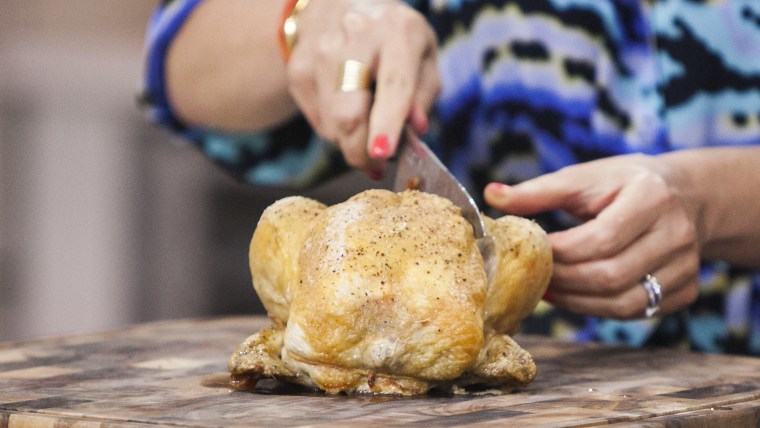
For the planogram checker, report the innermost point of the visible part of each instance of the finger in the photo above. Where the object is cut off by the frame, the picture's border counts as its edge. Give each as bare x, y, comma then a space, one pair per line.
313, 71
341, 113
676, 298
619, 211
352, 107
628, 304
353, 104
349, 115
632, 302
663, 248
679, 288
418, 120
634, 210
544, 193
398, 74
429, 84
302, 88
575, 189
428, 88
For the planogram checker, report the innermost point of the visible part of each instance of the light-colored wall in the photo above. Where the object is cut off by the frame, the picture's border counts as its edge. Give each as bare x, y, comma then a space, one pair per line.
68, 129
99, 212
104, 221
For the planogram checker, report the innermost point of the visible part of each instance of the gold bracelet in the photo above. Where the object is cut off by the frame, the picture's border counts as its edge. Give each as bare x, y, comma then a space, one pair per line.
288, 31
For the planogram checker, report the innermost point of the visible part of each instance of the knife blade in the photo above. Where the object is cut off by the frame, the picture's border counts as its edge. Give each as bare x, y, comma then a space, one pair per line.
417, 167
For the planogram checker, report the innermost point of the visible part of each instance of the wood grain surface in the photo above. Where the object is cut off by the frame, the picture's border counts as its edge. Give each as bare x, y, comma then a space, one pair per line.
174, 373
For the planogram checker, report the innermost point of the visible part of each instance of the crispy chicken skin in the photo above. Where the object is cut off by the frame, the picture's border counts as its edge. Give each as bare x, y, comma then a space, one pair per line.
387, 293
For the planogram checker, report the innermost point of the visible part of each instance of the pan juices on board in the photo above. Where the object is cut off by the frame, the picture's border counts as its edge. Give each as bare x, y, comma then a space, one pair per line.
386, 293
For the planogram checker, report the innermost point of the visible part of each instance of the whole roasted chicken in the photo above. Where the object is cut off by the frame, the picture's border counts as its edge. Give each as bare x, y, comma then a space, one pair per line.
387, 293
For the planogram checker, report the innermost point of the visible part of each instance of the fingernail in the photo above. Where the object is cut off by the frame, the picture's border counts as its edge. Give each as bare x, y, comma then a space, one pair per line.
376, 174
421, 124
379, 148
548, 296
497, 187
498, 192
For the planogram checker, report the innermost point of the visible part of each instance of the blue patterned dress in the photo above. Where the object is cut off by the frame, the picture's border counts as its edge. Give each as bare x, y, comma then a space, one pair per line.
530, 86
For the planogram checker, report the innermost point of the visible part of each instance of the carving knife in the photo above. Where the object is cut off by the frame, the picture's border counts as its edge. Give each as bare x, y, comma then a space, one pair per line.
419, 168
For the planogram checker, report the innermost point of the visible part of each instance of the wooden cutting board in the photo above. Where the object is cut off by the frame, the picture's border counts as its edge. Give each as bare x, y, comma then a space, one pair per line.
174, 373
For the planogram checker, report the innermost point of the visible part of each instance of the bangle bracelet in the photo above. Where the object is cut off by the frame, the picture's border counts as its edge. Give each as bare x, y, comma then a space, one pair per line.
288, 29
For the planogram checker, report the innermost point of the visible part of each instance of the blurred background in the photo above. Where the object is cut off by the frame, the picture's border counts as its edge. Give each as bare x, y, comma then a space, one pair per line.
105, 220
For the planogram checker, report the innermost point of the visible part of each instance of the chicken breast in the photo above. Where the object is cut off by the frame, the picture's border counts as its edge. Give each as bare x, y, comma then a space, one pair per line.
387, 293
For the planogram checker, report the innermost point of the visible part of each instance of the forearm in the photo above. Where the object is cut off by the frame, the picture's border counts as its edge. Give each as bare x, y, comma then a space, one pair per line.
723, 184
224, 70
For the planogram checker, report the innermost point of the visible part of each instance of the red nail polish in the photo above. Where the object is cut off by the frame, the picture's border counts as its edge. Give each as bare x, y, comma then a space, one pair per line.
421, 124
424, 125
548, 296
379, 148
498, 186
376, 174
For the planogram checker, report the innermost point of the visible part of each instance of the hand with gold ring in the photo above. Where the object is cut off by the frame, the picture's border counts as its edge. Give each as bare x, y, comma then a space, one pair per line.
636, 250
361, 69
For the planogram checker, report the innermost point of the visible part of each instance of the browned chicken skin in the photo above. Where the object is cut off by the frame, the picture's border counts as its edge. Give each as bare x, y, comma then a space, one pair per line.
386, 293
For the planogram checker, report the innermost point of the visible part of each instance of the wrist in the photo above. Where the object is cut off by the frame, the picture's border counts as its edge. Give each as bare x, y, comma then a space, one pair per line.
287, 30
679, 171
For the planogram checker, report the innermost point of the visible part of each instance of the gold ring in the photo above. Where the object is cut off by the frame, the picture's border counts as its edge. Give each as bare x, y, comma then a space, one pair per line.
354, 76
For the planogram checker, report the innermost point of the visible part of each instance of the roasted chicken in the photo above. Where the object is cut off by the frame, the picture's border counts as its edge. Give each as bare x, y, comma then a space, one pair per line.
387, 293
